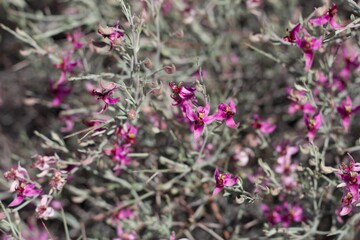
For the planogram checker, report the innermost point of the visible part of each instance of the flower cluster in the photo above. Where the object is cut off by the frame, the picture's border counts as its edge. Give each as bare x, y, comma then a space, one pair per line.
349, 174
284, 214
119, 153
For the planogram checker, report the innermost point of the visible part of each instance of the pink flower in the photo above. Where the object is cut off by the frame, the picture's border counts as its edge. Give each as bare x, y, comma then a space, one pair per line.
308, 44
182, 92
75, 39
43, 210
24, 190
284, 213
346, 110
16, 176
60, 91
263, 126
313, 124
291, 37
226, 112
58, 180
328, 17
349, 174
66, 65
128, 132
199, 118
284, 160
105, 97
119, 155
43, 163
352, 62
114, 34
123, 235
223, 181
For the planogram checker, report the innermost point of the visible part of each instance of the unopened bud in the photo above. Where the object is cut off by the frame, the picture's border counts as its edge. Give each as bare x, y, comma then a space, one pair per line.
148, 63
170, 69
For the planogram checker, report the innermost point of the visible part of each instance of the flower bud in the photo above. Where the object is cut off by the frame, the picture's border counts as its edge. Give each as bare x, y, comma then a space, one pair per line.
170, 69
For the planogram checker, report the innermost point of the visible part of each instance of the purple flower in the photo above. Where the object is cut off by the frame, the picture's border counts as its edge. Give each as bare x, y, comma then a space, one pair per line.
119, 155
223, 180
351, 180
291, 37
75, 39
346, 110
198, 118
114, 34
284, 160
328, 17
60, 90
24, 190
352, 61
308, 44
263, 126
226, 112
313, 124
284, 213
128, 132
105, 97
181, 92
66, 65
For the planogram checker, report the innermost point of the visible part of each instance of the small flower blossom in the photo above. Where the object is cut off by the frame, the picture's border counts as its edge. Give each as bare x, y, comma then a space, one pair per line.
223, 180
58, 180
60, 91
105, 97
291, 37
66, 65
119, 155
75, 39
43, 210
24, 190
313, 124
351, 58
128, 133
182, 93
124, 235
114, 34
226, 112
349, 174
328, 17
43, 163
263, 126
199, 119
346, 110
16, 176
284, 213
308, 44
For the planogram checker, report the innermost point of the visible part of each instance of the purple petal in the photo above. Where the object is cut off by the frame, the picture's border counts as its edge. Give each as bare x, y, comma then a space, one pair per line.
309, 58
231, 123
19, 199
345, 210
216, 190
230, 181
267, 127
311, 135
197, 132
346, 123
319, 20
209, 119
111, 100
308, 108
334, 24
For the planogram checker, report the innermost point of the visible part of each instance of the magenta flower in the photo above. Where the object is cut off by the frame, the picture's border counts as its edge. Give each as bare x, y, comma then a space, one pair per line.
60, 90
75, 39
352, 62
105, 97
284, 213
114, 34
24, 190
199, 118
349, 174
313, 124
124, 235
58, 180
16, 176
182, 92
223, 180
43, 163
119, 155
66, 65
291, 37
128, 132
284, 160
263, 126
226, 112
328, 17
346, 110
308, 44
273, 216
